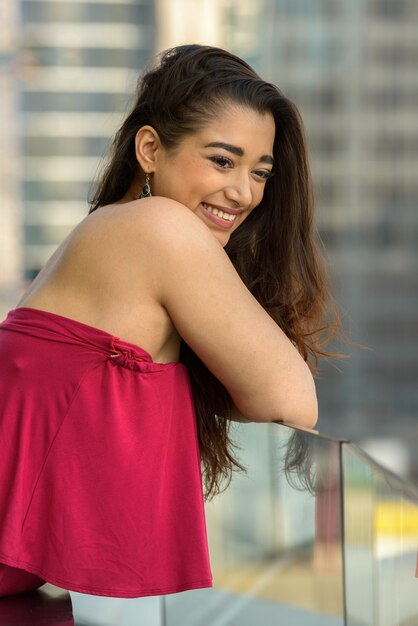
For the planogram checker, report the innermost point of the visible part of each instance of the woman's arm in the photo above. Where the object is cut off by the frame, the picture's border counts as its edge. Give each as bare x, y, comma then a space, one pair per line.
222, 322
236, 416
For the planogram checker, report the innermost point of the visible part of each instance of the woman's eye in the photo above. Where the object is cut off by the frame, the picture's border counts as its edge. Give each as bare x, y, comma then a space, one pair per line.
222, 161
264, 174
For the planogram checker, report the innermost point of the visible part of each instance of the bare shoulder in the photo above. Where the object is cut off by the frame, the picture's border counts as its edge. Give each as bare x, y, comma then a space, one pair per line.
144, 242
149, 230
151, 217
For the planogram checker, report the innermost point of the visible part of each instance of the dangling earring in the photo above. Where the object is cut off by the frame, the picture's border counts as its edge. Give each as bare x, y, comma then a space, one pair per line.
146, 189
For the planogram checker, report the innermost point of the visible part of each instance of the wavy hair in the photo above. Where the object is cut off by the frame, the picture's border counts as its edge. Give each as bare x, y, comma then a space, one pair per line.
275, 250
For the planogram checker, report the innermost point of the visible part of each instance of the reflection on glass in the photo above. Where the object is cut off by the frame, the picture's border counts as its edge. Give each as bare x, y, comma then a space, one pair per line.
381, 540
275, 537
359, 538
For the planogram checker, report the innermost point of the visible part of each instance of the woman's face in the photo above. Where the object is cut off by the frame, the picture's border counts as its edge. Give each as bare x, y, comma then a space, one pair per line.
220, 171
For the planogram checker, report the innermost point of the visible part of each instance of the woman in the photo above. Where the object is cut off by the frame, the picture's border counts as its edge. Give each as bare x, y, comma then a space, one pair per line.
198, 251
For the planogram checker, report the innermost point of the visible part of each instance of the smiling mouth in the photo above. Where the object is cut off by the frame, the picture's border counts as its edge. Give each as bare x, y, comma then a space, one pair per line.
228, 217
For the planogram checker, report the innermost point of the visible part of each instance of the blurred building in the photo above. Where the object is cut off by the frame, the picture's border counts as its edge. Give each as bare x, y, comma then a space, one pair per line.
81, 61
10, 163
189, 21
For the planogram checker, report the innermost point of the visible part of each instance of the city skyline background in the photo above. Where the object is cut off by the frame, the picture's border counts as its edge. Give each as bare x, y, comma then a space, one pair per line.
68, 69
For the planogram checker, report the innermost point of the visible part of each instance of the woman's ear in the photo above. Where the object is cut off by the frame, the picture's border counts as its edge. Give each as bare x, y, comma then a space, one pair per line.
147, 144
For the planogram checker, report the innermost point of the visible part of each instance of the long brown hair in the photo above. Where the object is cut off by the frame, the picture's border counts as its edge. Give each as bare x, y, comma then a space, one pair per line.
275, 251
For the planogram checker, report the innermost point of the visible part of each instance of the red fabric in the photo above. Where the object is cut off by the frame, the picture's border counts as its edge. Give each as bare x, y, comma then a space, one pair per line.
13, 580
100, 484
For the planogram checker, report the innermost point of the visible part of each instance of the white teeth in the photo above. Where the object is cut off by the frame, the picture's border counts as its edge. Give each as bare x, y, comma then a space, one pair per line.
225, 216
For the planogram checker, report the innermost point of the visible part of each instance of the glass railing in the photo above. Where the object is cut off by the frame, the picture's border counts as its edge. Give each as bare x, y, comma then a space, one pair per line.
275, 537
314, 533
381, 542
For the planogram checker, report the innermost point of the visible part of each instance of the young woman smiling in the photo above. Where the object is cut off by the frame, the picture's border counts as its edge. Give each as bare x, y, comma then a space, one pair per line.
191, 294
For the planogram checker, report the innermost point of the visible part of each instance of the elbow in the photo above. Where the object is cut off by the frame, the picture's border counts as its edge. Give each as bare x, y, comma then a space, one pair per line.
295, 405
300, 413
302, 410
306, 416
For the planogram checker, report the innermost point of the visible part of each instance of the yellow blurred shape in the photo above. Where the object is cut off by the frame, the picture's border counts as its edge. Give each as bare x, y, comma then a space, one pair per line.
396, 518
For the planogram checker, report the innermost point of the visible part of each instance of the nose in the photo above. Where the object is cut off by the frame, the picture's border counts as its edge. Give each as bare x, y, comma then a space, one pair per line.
239, 190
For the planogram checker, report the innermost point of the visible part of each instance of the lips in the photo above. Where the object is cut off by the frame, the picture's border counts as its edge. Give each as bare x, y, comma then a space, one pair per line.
224, 217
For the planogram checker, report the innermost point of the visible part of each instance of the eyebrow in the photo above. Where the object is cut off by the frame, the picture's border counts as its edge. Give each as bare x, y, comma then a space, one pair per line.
266, 158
